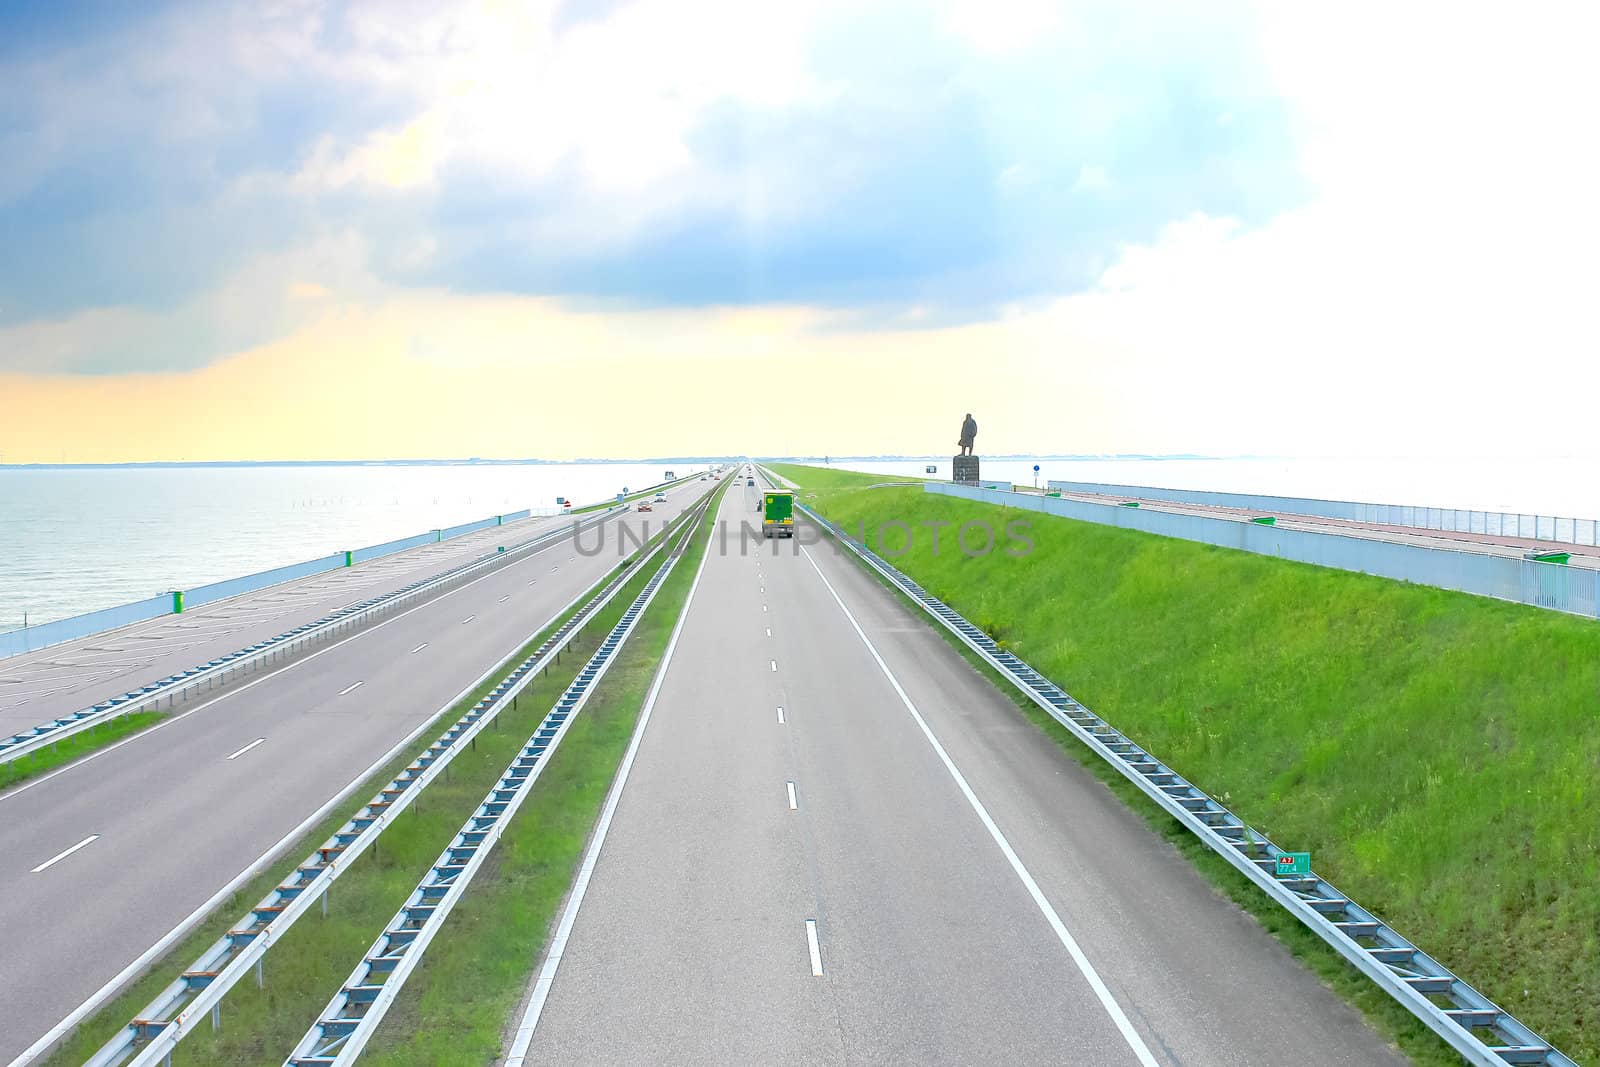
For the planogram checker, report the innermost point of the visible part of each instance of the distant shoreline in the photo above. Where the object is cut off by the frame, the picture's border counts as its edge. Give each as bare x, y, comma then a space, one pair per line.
233, 463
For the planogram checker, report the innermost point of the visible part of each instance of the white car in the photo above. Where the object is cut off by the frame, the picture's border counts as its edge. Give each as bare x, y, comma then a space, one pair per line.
661, 498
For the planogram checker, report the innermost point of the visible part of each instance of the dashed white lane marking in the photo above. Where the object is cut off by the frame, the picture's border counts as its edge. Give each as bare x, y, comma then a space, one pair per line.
503, 599
769, 631
816, 950
349, 689
794, 804
59, 856
774, 665
247, 748
780, 714
763, 607
468, 619
419, 648
1136, 1043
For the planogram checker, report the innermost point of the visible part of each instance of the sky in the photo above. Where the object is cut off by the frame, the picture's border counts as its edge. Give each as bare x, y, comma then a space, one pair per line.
291, 229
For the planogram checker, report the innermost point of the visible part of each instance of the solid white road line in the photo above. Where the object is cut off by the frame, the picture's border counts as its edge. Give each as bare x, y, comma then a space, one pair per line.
138, 966
349, 689
1107, 1001
59, 856
247, 748
226, 693
794, 804
780, 714
816, 951
580, 886
419, 648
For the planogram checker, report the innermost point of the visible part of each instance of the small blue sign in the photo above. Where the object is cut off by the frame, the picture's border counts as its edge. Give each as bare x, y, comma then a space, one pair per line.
1036, 468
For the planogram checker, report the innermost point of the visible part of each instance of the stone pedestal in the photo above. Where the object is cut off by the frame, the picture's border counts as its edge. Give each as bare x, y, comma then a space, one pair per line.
964, 470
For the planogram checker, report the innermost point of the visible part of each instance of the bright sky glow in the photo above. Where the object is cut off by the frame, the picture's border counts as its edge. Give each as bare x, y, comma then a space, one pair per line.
377, 229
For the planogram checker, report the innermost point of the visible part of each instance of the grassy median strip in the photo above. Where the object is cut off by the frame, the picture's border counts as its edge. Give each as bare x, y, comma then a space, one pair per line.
1438, 753
456, 1007
76, 747
305, 967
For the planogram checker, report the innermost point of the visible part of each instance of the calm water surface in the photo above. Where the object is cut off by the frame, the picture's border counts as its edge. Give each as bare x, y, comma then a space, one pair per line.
75, 540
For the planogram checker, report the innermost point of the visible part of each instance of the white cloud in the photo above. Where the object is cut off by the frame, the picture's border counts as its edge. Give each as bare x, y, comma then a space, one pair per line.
1091, 179
1000, 26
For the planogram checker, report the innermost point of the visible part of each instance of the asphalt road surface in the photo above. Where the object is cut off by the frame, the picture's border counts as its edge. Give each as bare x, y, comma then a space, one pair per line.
100, 860
974, 894
36, 687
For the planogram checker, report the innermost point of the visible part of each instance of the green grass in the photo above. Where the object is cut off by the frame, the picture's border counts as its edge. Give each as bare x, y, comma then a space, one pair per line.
1438, 753
459, 1002
305, 968
76, 746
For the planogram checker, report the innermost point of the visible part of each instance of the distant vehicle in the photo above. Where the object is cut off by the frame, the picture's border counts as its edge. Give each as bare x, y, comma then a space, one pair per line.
661, 498
749, 481
670, 477
643, 506
777, 520
930, 469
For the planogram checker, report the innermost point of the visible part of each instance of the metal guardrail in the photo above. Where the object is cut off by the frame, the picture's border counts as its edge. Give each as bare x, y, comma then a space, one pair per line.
352, 1016
199, 990
256, 656
1473, 1025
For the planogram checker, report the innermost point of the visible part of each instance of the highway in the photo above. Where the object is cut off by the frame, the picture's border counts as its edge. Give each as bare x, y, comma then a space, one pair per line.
101, 859
38, 686
840, 844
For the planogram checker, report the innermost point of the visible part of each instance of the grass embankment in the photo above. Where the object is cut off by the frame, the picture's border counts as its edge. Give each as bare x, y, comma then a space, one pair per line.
76, 747
1438, 753
538, 854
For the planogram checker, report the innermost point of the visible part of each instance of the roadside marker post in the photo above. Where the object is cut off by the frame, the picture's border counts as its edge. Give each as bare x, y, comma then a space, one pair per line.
1294, 863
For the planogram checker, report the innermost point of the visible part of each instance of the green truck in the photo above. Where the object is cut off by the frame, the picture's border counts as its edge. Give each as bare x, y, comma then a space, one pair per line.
777, 515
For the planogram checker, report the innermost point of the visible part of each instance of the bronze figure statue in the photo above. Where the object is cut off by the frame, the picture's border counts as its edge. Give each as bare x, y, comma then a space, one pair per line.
969, 433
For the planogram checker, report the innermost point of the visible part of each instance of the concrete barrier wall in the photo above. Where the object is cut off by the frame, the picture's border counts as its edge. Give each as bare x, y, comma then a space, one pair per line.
1548, 585
361, 555
468, 527
54, 633
207, 594
1448, 520
94, 622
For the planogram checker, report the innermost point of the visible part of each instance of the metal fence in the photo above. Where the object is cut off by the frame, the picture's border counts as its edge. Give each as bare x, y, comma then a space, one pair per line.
32, 638
1446, 520
1573, 590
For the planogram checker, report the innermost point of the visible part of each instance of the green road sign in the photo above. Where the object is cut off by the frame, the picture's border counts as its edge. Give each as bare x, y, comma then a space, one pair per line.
1294, 863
